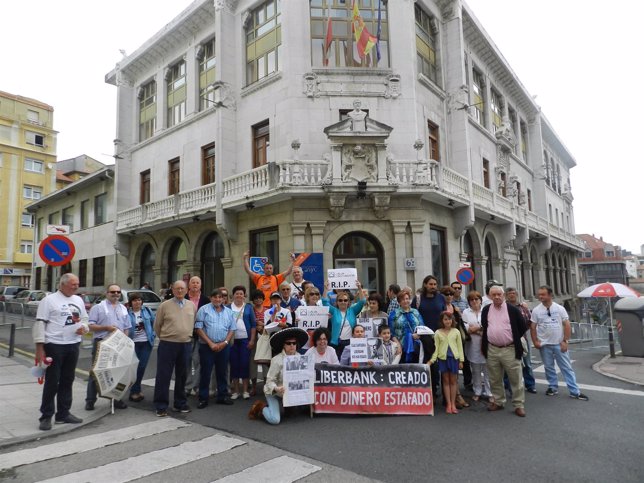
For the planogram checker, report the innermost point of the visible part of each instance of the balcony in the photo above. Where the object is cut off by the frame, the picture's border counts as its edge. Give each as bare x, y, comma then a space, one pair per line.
295, 179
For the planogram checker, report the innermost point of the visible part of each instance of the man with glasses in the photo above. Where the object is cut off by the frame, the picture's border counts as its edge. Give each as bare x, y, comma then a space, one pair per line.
458, 300
174, 324
551, 332
289, 302
105, 318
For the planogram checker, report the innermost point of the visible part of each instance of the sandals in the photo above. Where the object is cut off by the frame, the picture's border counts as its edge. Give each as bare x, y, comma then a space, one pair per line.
137, 397
461, 402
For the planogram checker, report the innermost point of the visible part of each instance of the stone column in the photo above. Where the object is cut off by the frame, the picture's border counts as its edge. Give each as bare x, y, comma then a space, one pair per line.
317, 234
298, 228
422, 253
400, 229
478, 266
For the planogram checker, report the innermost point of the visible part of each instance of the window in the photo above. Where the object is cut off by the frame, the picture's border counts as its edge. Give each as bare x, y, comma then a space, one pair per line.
503, 184
496, 105
207, 63
512, 119
208, 164
33, 116
31, 192
144, 196
261, 142
82, 272
439, 255
176, 88
54, 218
343, 50
434, 152
174, 172
68, 217
426, 30
34, 165
98, 271
100, 209
546, 167
529, 200
263, 41
147, 110
84, 217
27, 220
26, 247
550, 213
486, 173
265, 243
524, 140
557, 216
478, 97
610, 253
35, 139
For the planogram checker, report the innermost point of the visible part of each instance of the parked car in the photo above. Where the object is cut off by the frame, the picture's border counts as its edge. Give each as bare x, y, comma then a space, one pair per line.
7, 292
18, 304
31, 306
150, 298
89, 299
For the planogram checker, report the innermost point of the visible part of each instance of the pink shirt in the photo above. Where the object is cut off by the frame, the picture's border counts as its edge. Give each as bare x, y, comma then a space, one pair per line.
499, 330
195, 299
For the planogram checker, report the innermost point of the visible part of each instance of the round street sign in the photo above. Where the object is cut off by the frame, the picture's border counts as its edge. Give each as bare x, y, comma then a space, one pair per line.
56, 250
465, 276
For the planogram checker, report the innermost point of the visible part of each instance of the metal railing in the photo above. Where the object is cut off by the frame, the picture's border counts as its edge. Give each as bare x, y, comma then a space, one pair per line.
587, 336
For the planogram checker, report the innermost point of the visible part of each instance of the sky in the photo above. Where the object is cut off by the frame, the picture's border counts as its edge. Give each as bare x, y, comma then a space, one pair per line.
577, 56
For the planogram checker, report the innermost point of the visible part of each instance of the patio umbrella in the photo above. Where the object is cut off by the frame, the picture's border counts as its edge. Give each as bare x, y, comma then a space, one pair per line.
115, 364
609, 290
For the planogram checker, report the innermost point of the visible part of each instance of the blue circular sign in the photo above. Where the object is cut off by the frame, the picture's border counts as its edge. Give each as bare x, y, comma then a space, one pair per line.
465, 276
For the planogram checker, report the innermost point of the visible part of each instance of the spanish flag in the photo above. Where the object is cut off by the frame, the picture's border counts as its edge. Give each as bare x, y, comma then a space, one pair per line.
364, 40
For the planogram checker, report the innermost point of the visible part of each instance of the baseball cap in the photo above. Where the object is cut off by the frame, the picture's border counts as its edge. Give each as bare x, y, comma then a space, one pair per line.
275, 294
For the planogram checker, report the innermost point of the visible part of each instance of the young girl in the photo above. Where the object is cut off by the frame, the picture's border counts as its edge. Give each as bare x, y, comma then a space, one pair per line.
449, 352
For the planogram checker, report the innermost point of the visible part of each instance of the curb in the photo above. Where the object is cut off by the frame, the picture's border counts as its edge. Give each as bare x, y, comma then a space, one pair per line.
597, 368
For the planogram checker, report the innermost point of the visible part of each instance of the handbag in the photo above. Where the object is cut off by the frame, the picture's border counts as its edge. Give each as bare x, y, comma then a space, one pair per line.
263, 352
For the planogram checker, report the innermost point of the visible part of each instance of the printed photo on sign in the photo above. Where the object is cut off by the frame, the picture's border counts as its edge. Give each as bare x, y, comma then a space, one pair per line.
311, 317
299, 379
375, 347
342, 278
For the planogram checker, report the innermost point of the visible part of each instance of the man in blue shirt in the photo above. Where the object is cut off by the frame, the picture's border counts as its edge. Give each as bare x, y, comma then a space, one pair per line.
215, 326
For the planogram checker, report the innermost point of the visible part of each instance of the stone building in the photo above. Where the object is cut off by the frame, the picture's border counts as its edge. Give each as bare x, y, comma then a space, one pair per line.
238, 128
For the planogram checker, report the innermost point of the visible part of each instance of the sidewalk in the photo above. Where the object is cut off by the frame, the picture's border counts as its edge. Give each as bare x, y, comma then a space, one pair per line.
20, 396
627, 369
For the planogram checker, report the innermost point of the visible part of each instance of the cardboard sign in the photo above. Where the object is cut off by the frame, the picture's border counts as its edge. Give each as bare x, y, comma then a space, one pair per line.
312, 317
342, 278
359, 351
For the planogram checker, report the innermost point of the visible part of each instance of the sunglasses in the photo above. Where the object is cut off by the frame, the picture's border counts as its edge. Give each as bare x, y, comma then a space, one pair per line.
343, 300
290, 342
315, 293
115, 291
549, 314
457, 288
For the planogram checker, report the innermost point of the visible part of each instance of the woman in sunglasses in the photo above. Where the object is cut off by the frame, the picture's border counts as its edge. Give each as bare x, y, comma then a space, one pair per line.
343, 317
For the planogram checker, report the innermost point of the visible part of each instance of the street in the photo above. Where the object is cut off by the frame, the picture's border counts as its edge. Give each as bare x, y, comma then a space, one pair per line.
561, 439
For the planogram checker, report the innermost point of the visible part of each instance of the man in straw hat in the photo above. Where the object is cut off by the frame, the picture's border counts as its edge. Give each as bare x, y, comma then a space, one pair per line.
286, 342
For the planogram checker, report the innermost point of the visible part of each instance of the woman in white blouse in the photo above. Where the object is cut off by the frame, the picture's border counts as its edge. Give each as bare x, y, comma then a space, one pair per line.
472, 321
321, 352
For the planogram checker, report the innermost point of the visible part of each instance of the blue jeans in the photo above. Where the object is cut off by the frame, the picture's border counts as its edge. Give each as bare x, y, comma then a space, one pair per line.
208, 359
143, 351
59, 380
171, 356
272, 411
551, 353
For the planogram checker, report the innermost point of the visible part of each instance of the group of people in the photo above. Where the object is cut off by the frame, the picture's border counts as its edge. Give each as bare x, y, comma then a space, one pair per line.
239, 335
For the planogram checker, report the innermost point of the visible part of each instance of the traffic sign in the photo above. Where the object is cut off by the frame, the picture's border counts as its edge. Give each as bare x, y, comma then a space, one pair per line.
465, 276
56, 250
58, 229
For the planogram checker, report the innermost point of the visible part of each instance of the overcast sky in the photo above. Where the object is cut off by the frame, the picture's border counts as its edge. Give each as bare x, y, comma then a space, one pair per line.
578, 57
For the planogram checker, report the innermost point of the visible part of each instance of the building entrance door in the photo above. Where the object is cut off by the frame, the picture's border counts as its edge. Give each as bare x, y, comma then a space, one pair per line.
363, 252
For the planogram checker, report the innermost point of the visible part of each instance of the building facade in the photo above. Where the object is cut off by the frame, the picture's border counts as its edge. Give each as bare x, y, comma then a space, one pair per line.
240, 128
27, 173
601, 262
87, 207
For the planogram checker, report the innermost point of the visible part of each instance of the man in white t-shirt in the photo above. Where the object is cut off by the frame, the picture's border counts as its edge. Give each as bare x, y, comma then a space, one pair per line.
550, 331
61, 320
297, 289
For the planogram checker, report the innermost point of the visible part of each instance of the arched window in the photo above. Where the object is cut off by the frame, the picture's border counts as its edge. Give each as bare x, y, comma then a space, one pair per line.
212, 270
489, 272
177, 257
363, 252
148, 260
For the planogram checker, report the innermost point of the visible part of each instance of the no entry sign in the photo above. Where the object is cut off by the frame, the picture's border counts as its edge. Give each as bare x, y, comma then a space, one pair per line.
465, 276
56, 250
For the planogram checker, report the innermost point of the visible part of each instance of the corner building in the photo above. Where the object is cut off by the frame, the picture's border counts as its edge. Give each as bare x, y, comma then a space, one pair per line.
235, 131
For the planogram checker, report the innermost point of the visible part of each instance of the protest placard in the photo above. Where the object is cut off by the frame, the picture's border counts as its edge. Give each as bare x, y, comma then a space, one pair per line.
359, 351
342, 278
395, 389
371, 325
375, 350
299, 380
311, 317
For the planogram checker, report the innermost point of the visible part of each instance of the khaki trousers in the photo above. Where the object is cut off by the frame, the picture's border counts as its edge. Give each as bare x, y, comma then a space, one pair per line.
500, 359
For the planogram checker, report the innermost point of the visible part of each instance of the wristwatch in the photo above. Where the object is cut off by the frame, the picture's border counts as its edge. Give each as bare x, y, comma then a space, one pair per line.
226, 341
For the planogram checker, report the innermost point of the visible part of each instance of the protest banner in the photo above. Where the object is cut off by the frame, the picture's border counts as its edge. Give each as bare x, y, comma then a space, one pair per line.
392, 389
342, 278
359, 351
299, 379
311, 317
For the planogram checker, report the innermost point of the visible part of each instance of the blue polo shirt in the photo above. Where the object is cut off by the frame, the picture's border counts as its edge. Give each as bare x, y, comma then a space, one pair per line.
216, 324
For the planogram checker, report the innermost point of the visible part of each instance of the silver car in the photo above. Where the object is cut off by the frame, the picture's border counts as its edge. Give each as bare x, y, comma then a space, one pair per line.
150, 298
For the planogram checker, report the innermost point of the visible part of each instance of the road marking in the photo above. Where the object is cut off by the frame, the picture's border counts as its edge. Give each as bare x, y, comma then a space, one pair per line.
151, 382
588, 387
88, 443
151, 463
278, 470
542, 368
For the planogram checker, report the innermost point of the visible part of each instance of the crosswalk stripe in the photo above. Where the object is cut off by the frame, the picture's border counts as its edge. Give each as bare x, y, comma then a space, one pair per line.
88, 443
589, 387
152, 381
278, 470
151, 463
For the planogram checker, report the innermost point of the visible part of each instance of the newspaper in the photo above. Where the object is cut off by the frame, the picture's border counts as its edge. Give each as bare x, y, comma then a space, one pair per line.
299, 378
